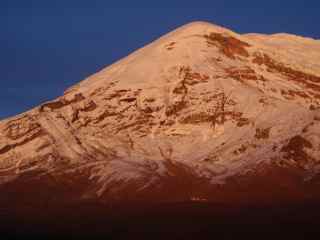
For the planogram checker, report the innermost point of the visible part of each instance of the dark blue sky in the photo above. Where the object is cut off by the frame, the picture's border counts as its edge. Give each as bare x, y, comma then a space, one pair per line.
47, 46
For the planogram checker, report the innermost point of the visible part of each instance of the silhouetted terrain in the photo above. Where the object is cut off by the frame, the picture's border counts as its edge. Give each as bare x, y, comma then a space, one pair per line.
163, 221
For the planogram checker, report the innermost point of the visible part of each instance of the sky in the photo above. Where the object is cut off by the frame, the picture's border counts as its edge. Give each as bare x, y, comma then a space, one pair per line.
47, 46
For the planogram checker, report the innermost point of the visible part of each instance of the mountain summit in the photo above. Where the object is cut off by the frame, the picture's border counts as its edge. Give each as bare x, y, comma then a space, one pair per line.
201, 114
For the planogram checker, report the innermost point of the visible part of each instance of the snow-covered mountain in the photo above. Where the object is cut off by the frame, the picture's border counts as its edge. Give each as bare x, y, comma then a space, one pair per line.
201, 114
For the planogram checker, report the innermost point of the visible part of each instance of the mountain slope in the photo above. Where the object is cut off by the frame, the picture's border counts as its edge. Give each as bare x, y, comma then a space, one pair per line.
203, 113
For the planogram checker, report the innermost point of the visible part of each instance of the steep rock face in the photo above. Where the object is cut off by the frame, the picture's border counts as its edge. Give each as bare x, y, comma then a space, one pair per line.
189, 116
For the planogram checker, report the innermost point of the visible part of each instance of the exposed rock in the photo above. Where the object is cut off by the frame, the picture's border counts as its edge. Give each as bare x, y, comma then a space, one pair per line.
229, 46
262, 133
295, 149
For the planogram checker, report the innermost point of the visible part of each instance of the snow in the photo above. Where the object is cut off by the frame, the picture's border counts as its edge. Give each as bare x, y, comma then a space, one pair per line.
129, 136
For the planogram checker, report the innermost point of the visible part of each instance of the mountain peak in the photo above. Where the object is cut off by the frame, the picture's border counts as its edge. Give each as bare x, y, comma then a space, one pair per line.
201, 105
175, 48
198, 26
